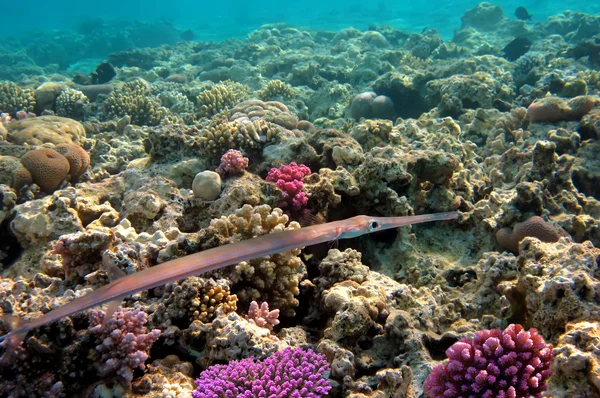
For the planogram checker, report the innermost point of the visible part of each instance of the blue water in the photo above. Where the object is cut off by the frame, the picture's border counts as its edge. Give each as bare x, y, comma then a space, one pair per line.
219, 20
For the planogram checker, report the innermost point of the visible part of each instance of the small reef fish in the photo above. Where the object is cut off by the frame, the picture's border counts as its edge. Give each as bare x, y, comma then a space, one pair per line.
522, 14
219, 257
516, 48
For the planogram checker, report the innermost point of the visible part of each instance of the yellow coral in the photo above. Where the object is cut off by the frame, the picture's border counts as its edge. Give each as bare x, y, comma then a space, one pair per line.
274, 279
220, 97
276, 88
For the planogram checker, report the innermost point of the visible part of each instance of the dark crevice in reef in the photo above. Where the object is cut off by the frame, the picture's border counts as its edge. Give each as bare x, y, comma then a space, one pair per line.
10, 249
437, 347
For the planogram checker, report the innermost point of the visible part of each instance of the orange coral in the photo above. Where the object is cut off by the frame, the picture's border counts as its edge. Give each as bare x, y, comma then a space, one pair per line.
78, 158
554, 109
48, 168
535, 226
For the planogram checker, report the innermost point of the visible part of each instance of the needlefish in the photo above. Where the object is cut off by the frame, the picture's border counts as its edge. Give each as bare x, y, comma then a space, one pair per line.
220, 257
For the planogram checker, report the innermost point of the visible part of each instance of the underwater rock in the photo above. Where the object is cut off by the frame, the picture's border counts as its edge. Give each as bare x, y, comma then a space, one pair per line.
484, 17
370, 105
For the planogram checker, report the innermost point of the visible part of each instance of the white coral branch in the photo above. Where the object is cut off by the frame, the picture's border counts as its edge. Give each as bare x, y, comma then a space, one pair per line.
261, 316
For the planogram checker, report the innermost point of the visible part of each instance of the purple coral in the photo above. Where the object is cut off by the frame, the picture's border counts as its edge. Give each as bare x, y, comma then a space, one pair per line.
293, 372
232, 162
125, 343
513, 363
289, 180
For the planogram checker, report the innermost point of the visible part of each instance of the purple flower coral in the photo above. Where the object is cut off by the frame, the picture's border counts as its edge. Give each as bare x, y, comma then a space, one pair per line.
289, 180
293, 373
513, 363
125, 343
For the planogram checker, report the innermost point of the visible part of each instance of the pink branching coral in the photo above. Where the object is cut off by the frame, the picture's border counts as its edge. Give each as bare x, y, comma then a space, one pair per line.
124, 341
261, 316
496, 364
289, 180
232, 162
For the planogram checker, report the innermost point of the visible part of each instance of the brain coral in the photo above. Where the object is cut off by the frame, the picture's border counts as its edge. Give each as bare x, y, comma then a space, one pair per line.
48, 168
554, 109
78, 158
45, 129
534, 226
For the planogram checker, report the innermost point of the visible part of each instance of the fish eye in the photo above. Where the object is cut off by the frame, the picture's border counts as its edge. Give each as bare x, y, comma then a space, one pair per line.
373, 225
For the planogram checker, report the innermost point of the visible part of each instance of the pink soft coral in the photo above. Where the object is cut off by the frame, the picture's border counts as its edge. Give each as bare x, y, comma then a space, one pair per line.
232, 162
289, 180
124, 341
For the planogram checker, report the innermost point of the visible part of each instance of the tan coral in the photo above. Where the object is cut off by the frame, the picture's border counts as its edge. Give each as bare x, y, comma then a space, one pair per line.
48, 168
45, 129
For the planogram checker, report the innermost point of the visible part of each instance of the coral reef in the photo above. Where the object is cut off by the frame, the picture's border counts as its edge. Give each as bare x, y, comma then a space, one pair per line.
497, 119
221, 97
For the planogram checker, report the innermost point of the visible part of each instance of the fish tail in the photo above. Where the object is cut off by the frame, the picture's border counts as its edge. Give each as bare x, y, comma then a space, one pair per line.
11, 342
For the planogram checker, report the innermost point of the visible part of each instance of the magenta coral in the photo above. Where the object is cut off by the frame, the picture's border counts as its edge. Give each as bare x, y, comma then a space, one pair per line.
289, 180
125, 343
293, 373
497, 364
232, 162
